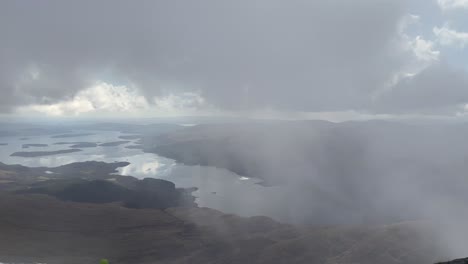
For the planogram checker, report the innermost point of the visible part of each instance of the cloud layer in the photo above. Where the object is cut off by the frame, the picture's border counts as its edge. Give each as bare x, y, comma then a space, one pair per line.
235, 55
101, 97
450, 37
452, 4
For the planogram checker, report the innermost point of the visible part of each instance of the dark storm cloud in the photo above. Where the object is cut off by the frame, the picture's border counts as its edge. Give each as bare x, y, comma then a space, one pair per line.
287, 55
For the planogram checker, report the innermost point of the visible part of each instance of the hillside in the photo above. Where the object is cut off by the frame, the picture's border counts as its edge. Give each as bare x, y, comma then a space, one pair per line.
80, 215
42, 229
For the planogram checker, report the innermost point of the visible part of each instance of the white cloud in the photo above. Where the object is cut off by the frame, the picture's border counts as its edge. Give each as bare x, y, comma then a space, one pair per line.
105, 98
178, 103
420, 53
450, 37
407, 21
452, 4
424, 49
101, 97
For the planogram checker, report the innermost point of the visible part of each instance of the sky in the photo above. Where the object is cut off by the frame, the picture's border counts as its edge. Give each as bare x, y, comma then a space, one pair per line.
324, 59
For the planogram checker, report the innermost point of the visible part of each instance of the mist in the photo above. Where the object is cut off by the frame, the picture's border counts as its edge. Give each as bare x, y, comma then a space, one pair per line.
351, 173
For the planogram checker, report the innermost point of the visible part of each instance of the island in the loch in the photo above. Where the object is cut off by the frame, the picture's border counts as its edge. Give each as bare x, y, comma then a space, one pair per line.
3, 144
130, 137
31, 154
73, 135
34, 145
84, 145
114, 143
78, 144
135, 147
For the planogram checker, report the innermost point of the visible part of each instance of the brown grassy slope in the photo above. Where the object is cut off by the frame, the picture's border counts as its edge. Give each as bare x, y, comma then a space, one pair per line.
42, 229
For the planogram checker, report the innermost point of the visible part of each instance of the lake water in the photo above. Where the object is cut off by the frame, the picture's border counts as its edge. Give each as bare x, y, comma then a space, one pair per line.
217, 188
